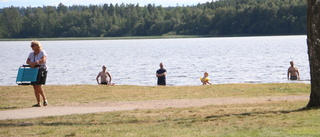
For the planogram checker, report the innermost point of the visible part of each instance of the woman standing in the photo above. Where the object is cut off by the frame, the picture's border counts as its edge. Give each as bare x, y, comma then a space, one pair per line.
38, 58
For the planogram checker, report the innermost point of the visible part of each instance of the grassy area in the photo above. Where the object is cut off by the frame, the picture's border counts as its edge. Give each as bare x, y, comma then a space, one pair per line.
22, 96
283, 118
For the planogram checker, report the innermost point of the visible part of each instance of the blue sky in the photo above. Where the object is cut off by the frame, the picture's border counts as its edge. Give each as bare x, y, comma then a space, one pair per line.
35, 3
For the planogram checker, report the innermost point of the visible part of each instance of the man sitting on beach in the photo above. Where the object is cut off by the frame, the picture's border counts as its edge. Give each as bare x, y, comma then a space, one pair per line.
293, 72
104, 76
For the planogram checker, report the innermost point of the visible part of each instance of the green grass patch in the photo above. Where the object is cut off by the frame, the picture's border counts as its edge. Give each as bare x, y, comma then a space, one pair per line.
282, 118
275, 119
23, 96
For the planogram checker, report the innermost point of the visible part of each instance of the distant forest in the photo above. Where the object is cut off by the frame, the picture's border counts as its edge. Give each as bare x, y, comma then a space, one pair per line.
216, 18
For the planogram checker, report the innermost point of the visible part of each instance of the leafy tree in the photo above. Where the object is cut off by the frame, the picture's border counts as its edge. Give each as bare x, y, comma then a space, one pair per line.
11, 21
223, 17
50, 21
62, 9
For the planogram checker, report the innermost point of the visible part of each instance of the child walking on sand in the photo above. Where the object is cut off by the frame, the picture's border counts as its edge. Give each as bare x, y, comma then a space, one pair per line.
205, 79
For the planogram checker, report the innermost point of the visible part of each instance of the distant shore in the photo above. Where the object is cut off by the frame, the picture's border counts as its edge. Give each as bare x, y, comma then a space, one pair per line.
131, 37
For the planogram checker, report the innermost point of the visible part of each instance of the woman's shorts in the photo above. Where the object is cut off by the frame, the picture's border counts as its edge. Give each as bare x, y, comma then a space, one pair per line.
42, 77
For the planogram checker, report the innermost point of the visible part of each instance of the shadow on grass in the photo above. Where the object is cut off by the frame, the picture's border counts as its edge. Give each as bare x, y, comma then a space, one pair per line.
49, 124
5, 108
16, 123
259, 113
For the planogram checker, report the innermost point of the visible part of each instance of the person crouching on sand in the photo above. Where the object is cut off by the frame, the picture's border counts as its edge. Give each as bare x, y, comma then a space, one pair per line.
205, 80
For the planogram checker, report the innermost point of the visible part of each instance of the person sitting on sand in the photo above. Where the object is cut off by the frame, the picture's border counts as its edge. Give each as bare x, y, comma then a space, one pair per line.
205, 80
104, 76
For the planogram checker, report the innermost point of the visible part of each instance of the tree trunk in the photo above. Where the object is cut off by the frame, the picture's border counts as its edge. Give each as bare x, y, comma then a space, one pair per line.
313, 41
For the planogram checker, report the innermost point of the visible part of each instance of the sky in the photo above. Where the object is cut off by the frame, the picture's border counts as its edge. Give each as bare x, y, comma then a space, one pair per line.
36, 3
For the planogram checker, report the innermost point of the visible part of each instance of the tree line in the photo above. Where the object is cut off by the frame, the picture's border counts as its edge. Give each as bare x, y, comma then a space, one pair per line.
216, 18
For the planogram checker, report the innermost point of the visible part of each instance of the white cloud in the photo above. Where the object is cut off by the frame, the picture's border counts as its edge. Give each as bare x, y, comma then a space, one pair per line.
4, 0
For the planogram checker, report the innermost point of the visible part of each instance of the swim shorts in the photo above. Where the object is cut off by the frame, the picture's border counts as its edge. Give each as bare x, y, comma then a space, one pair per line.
293, 78
104, 83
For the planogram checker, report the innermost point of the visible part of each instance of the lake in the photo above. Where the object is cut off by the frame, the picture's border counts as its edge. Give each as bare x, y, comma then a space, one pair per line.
134, 62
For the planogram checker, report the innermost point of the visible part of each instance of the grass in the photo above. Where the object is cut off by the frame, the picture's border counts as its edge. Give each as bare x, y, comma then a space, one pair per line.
22, 96
283, 118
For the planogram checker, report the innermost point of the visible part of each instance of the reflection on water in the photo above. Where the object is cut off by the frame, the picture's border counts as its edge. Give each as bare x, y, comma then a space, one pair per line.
134, 62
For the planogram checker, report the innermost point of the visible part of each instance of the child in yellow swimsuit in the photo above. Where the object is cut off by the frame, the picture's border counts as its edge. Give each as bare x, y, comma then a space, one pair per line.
205, 79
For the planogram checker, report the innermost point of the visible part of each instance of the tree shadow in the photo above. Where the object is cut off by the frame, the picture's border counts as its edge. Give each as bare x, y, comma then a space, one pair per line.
261, 113
49, 124
17, 123
5, 108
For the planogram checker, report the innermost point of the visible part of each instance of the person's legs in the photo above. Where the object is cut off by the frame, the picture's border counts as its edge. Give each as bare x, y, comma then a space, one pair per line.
39, 91
45, 102
37, 94
161, 83
42, 93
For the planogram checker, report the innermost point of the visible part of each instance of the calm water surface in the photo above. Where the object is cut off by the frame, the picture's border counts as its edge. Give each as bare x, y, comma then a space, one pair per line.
134, 62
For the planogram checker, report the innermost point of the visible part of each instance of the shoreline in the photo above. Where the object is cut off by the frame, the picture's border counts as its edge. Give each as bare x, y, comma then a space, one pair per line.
138, 37
172, 85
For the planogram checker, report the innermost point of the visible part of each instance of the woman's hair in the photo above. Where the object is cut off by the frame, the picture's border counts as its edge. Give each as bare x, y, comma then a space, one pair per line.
34, 42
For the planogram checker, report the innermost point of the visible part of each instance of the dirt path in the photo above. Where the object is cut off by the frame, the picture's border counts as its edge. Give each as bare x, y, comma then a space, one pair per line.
69, 109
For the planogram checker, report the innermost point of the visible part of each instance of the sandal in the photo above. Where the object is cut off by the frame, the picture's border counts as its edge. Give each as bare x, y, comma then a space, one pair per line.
45, 103
36, 105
